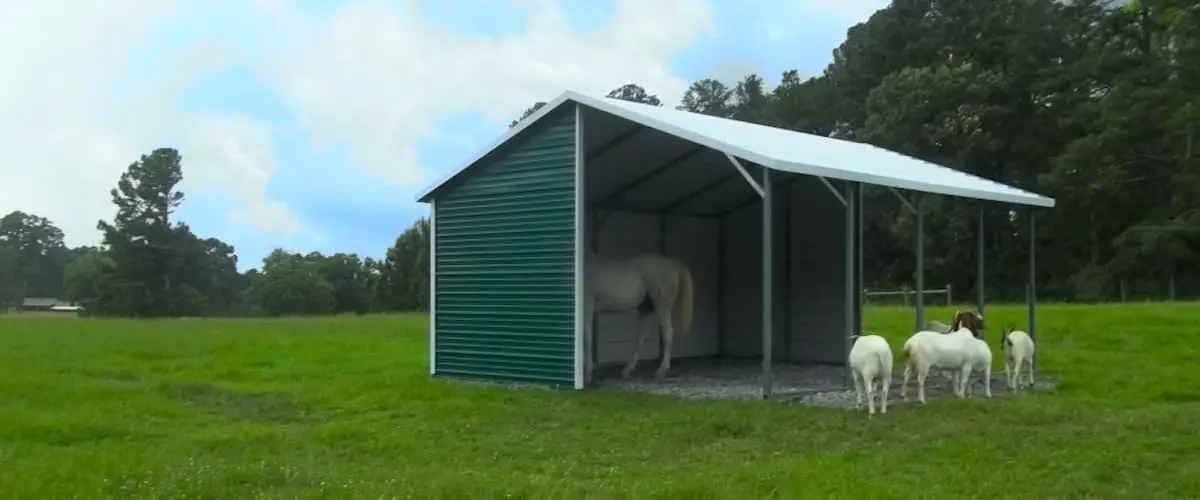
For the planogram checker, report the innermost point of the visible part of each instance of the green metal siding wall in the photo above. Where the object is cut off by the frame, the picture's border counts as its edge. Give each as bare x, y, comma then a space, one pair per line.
505, 263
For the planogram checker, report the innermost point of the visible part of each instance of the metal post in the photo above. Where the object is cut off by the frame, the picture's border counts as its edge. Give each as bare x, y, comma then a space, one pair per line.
920, 278
979, 265
581, 357
851, 293
1032, 297
768, 302
858, 252
433, 287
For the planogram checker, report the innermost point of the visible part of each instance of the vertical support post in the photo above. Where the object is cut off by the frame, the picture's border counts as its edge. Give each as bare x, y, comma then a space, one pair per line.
850, 263
768, 299
980, 257
582, 366
920, 250
1032, 296
433, 287
858, 252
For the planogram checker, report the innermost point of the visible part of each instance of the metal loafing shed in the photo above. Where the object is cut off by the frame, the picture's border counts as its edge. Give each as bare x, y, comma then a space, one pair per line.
767, 219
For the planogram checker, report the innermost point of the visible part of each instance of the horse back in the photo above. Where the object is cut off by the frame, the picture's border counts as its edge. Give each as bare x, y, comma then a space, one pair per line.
657, 267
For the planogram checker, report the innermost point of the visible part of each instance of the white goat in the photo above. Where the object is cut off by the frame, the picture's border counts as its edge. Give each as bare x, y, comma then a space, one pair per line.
979, 356
871, 358
938, 326
1018, 350
958, 351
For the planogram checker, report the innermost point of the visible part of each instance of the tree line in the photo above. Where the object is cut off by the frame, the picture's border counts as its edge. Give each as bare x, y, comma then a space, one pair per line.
149, 265
1094, 103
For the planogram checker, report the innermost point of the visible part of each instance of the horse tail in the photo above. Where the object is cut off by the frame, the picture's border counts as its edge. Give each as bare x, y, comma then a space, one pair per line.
685, 298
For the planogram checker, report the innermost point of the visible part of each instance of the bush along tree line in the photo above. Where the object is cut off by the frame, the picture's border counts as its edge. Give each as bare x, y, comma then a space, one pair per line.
1094, 103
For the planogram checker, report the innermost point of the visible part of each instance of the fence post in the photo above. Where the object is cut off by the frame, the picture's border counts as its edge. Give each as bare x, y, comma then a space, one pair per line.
949, 295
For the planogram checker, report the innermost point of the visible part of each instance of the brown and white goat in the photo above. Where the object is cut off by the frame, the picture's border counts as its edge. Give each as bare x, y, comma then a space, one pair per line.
970, 320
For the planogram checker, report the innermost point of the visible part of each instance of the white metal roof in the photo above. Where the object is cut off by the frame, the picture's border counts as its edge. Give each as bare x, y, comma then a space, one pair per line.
788, 151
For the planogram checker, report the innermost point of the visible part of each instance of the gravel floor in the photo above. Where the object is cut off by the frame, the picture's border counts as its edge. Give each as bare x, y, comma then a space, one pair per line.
723, 378
937, 386
815, 385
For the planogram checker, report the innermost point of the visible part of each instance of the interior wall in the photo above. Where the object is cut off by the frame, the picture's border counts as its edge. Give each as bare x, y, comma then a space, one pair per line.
817, 274
694, 240
741, 281
809, 278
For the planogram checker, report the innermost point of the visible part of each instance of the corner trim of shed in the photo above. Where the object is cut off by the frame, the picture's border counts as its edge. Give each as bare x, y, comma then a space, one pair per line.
432, 287
580, 231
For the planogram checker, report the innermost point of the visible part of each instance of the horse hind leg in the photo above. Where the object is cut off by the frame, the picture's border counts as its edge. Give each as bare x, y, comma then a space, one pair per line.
643, 335
662, 302
668, 336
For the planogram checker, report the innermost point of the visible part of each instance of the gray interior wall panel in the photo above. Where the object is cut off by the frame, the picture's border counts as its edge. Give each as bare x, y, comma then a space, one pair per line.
694, 240
817, 283
741, 281
740, 274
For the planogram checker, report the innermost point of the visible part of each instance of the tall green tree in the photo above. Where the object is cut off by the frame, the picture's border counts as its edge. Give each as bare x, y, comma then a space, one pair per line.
633, 92
40, 255
142, 277
528, 111
12, 283
405, 269
709, 97
293, 284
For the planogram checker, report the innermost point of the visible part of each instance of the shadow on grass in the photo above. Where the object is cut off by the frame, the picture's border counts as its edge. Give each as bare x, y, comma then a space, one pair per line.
114, 375
240, 405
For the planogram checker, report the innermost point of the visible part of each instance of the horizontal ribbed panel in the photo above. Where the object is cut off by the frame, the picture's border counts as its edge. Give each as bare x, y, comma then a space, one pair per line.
505, 270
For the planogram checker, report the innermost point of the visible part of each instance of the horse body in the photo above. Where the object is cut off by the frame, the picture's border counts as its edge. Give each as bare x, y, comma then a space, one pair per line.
648, 284
616, 286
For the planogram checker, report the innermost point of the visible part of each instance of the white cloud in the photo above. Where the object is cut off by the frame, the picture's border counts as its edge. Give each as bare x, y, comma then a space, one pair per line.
76, 113
229, 146
854, 11
374, 78
367, 75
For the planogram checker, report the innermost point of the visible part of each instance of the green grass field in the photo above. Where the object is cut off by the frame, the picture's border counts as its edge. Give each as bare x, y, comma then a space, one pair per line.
344, 408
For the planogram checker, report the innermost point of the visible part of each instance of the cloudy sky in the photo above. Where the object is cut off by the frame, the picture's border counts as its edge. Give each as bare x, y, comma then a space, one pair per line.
310, 124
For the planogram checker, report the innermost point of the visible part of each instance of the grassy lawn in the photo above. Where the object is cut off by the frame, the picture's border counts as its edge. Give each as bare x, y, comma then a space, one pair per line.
344, 408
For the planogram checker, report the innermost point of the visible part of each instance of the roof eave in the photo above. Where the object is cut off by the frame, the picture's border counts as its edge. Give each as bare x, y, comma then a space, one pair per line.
1024, 198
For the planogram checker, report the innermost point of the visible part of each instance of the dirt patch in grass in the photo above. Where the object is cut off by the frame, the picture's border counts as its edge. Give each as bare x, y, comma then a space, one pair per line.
241, 405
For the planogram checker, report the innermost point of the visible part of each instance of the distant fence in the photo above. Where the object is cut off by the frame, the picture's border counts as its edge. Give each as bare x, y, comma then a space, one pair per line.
907, 296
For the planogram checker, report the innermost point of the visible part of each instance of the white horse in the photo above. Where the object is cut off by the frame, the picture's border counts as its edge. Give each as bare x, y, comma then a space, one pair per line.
648, 284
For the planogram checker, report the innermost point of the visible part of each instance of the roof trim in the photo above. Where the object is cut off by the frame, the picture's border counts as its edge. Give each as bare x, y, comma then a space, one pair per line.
1029, 198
